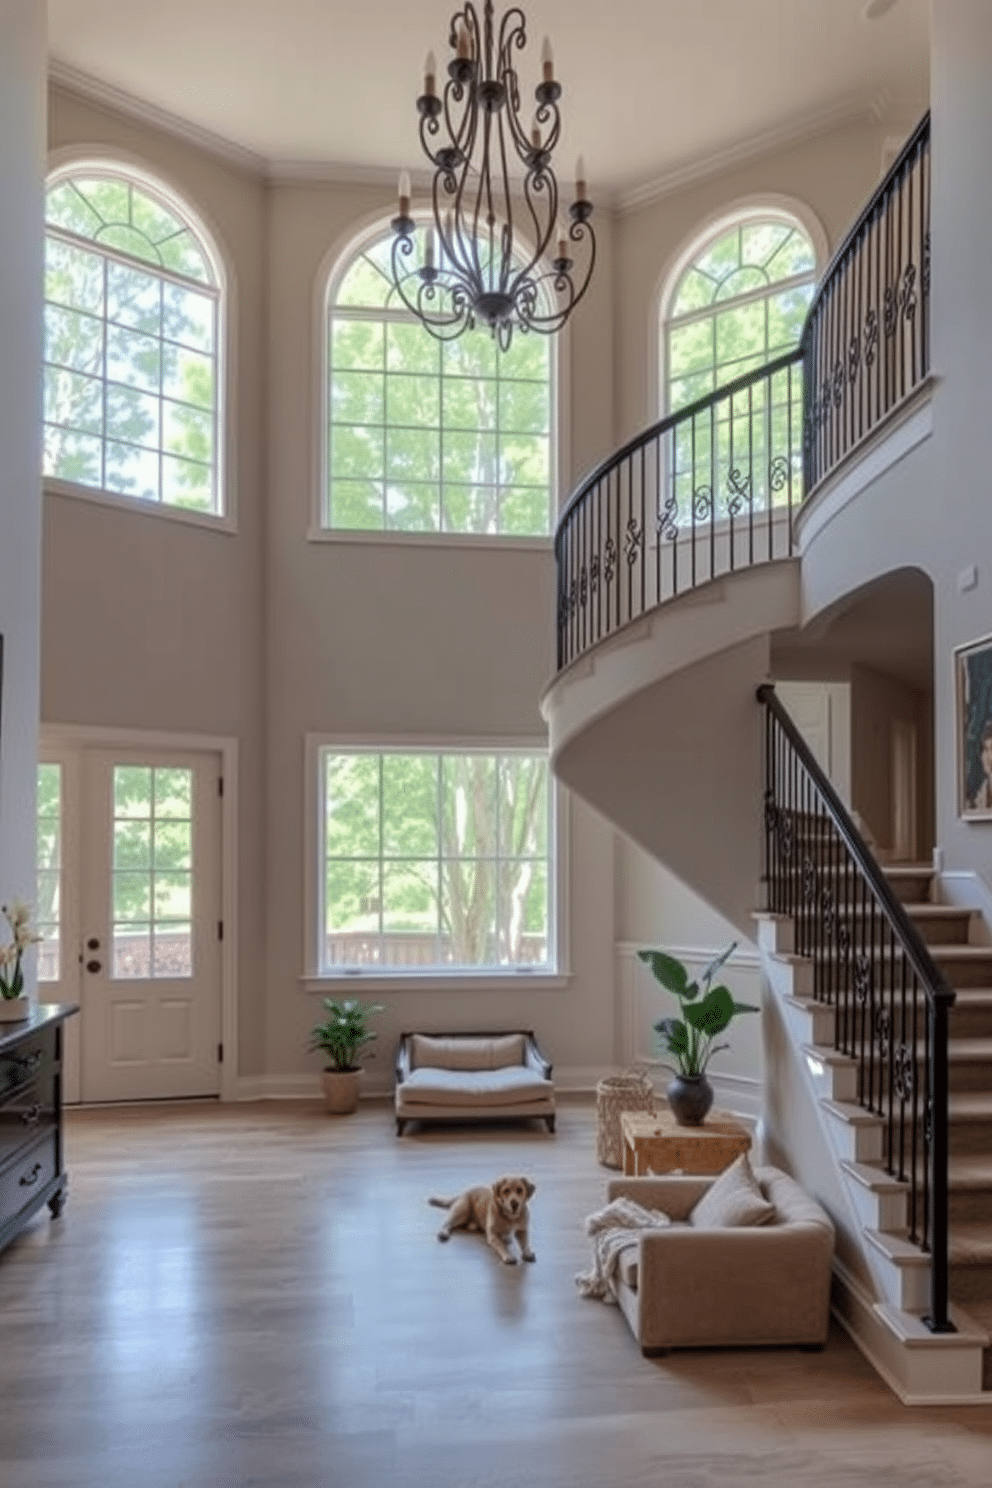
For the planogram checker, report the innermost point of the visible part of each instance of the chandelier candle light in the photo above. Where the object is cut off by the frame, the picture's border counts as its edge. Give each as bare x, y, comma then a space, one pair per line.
476, 265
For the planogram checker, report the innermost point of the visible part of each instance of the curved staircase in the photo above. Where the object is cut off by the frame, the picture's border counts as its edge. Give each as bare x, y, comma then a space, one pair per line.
677, 562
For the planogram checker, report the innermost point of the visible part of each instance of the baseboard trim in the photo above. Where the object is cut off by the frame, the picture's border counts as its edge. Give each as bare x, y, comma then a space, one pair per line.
739, 1095
900, 1365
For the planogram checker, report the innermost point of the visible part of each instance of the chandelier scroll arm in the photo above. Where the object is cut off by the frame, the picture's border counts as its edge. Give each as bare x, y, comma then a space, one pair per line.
490, 255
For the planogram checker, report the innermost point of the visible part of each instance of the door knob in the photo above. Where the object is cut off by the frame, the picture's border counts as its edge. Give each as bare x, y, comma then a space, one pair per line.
92, 944
92, 966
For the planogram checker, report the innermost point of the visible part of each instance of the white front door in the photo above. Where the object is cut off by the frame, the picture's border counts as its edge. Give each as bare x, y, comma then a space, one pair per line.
140, 921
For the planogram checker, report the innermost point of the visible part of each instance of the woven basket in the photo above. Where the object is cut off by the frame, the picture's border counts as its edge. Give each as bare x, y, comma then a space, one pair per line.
629, 1091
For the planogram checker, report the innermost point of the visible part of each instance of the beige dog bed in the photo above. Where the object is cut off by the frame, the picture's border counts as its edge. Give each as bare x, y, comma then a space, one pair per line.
466, 1076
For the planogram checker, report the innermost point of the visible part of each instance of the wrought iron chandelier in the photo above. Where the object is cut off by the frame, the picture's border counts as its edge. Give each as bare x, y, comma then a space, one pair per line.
497, 252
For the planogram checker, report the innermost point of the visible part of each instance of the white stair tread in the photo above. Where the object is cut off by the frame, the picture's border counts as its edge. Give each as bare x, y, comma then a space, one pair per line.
874, 1178
899, 1250
914, 1333
853, 1114
827, 1054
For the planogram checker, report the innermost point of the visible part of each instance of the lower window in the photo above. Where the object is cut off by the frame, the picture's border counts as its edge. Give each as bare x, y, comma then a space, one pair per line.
436, 861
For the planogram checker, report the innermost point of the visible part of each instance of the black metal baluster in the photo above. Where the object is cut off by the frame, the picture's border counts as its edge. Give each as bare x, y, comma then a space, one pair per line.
901, 261
750, 473
920, 1155
889, 1052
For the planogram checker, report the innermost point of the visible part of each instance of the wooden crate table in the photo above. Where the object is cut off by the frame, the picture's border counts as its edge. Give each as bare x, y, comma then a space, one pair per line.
657, 1144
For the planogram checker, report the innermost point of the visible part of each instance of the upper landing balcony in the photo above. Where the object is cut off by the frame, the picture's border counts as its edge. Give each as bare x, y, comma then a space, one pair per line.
740, 479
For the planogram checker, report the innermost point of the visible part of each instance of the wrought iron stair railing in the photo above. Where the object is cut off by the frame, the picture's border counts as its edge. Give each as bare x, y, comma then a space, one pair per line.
866, 340
714, 487
872, 966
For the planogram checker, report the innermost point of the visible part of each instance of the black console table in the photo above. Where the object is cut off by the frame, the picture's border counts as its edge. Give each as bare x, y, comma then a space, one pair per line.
32, 1161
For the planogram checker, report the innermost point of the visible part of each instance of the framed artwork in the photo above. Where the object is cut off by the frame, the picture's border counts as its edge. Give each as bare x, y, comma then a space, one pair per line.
973, 687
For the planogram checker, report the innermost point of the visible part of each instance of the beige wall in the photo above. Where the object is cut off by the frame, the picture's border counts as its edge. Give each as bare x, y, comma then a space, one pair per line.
267, 636
381, 641
828, 179
22, 145
153, 624
961, 317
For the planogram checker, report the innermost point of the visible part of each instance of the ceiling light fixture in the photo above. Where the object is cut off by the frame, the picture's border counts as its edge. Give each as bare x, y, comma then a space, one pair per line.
496, 253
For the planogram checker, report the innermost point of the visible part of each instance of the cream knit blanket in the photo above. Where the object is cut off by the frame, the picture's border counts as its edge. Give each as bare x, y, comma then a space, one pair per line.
614, 1230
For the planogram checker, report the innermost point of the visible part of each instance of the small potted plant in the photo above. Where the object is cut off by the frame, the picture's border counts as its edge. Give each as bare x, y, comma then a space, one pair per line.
341, 1035
14, 1002
706, 1012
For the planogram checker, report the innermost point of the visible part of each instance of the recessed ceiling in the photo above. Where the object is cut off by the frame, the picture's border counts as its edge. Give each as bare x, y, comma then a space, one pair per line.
650, 87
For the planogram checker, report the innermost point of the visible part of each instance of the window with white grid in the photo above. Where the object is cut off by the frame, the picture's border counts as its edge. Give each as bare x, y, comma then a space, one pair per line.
436, 861
430, 436
739, 303
132, 343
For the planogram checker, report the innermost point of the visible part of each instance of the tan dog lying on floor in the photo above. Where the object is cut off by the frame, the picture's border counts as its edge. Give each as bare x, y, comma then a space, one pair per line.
500, 1212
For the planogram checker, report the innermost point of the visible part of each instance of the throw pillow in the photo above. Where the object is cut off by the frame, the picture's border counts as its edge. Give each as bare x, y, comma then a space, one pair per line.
733, 1199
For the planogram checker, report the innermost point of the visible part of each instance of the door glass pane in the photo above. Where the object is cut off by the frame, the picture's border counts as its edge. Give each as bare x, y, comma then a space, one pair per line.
152, 887
49, 866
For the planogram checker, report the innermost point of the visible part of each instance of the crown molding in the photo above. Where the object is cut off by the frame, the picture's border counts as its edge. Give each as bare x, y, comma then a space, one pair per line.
806, 126
108, 96
287, 171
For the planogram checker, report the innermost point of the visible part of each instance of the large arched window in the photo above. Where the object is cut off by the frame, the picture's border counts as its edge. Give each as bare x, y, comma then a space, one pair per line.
429, 436
739, 302
132, 339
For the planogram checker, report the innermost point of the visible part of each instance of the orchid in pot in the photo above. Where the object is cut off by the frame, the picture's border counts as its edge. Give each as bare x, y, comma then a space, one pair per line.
18, 917
706, 1012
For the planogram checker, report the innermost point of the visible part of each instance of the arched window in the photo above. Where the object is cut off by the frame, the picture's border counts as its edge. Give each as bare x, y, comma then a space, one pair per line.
740, 301
132, 338
430, 436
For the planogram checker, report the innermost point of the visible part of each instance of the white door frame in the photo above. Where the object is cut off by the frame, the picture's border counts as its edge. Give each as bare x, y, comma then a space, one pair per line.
86, 736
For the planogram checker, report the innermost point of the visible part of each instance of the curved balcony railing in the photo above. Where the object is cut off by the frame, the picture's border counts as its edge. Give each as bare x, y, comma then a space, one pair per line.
703, 492
714, 487
866, 341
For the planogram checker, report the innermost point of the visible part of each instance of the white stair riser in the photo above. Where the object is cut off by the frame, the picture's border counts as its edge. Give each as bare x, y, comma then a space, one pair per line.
877, 1211
907, 1287
856, 1143
837, 1082
775, 934
812, 1024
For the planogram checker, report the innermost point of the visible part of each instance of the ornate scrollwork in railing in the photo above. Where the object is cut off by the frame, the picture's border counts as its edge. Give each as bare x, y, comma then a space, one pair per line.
714, 487
878, 280
708, 490
871, 965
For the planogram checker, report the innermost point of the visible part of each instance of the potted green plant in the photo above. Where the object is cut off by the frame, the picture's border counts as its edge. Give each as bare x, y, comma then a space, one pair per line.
340, 1036
706, 1012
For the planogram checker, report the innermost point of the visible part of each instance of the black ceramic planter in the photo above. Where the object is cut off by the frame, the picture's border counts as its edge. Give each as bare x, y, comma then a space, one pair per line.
689, 1097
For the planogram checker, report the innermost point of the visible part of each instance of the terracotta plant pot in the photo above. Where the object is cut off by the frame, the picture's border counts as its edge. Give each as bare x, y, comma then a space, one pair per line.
689, 1097
341, 1091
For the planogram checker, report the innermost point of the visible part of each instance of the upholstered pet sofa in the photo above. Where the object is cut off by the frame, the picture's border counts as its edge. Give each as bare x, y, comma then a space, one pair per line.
687, 1286
468, 1076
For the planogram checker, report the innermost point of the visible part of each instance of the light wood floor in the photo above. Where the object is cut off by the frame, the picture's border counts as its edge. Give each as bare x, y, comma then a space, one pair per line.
253, 1296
